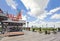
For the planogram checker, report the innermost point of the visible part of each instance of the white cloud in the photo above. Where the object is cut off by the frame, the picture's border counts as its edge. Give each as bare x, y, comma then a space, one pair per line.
32, 4
37, 7
11, 3
54, 10
56, 16
40, 23
24, 17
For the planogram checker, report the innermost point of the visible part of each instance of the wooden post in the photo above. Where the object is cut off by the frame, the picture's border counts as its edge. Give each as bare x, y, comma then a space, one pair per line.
2, 28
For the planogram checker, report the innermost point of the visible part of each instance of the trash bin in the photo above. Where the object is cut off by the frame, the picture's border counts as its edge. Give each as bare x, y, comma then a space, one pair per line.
45, 31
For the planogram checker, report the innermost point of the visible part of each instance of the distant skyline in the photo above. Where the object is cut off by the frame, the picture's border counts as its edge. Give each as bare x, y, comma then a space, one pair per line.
36, 12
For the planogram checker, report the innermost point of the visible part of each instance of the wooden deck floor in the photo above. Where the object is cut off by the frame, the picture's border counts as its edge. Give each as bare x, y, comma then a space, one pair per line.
12, 33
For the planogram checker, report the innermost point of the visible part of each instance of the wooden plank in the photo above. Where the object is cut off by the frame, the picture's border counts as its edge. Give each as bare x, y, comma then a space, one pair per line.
13, 33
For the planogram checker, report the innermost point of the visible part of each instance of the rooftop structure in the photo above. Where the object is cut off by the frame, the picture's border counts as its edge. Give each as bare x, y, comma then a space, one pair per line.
10, 23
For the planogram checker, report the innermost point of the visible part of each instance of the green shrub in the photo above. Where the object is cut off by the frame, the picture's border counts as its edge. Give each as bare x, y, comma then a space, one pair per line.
0, 29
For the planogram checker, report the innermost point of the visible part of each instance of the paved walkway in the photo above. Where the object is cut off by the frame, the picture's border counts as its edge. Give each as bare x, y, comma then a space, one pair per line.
33, 36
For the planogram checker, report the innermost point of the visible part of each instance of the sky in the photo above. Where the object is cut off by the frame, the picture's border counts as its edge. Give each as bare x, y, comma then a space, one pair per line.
37, 12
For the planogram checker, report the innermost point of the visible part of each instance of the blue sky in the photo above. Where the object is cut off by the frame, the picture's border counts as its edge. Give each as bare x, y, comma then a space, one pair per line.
50, 10
53, 4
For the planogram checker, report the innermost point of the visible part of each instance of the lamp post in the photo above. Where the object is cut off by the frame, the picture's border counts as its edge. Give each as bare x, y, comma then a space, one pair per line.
46, 25
27, 24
